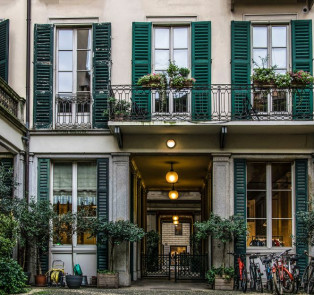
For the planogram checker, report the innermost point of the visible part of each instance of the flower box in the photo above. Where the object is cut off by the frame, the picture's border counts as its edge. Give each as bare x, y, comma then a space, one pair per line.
109, 281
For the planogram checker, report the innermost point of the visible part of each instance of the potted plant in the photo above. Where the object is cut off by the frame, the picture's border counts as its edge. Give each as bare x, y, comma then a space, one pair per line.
215, 273
283, 80
118, 110
301, 78
115, 232
36, 231
179, 77
66, 225
223, 230
153, 81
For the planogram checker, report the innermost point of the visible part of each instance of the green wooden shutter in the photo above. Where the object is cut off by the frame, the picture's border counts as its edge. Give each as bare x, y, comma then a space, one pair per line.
141, 65
240, 200
102, 207
301, 37
201, 70
43, 186
7, 163
43, 75
301, 197
240, 69
101, 77
4, 49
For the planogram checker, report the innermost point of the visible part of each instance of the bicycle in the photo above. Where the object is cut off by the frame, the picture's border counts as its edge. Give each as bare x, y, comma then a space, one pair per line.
241, 273
283, 280
255, 274
267, 262
308, 275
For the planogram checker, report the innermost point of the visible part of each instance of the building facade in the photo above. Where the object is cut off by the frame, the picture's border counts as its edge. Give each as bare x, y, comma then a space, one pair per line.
239, 149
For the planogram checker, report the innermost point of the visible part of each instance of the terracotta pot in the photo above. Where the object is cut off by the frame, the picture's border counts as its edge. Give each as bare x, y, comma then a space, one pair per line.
40, 280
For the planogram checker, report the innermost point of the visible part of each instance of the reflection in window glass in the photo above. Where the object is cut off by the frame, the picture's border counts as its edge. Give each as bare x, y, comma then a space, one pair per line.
65, 39
256, 176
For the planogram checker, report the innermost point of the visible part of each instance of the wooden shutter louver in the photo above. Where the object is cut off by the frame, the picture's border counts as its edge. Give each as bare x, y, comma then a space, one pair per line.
4, 50
43, 75
101, 75
240, 69
301, 37
201, 70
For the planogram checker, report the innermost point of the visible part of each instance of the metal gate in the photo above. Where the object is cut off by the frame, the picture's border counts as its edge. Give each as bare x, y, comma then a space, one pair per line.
179, 267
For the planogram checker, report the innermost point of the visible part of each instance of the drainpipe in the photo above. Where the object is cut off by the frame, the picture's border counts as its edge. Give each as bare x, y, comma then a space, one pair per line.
28, 74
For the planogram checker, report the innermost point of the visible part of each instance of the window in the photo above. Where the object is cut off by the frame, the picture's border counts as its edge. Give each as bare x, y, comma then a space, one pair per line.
270, 48
73, 83
74, 188
171, 43
269, 204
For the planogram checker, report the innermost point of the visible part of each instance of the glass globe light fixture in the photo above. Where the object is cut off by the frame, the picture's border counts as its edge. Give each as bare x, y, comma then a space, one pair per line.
176, 222
175, 217
173, 194
172, 176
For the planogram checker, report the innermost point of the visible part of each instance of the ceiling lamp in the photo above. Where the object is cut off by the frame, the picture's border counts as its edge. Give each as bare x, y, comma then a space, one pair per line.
172, 176
173, 194
171, 143
175, 217
176, 222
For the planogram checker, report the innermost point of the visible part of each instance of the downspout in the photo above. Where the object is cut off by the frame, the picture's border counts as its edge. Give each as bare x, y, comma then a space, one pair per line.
28, 74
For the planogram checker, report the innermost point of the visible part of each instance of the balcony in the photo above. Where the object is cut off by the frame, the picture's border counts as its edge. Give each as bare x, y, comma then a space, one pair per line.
73, 111
217, 103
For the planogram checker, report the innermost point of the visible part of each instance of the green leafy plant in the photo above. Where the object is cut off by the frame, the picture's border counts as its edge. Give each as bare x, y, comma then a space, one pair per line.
179, 76
283, 80
116, 232
34, 227
263, 75
227, 273
224, 230
301, 78
153, 81
117, 108
8, 235
307, 234
106, 272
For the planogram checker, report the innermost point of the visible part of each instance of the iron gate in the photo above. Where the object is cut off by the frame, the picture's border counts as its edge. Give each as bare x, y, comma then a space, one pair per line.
179, 267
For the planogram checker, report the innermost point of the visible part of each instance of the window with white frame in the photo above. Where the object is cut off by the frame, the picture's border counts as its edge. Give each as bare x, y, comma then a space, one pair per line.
73, 77
171, 43
269, 204
270, 47
74, 189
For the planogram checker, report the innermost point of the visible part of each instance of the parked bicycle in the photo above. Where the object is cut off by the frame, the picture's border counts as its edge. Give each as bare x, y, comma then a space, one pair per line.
255, 274
267, 262
283, 279
308, 275
240, 279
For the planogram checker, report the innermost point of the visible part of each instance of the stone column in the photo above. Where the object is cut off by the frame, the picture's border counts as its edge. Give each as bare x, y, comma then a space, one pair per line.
119, 209
221, 198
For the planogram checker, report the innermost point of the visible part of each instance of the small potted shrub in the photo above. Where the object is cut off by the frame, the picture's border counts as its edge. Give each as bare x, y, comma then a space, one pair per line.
179, 77
118, 110
35, 231
224, 230
115, 232
301, 78
283, 80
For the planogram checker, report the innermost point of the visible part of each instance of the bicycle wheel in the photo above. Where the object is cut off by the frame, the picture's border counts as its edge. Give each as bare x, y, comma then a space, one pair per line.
305, 278
277, 284
310, 285
287, 283
244, 281
252, 279
296, 276
270, 285
259, 283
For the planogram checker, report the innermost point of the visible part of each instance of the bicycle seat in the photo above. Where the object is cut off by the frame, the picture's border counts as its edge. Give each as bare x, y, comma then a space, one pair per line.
265, 261
254, 256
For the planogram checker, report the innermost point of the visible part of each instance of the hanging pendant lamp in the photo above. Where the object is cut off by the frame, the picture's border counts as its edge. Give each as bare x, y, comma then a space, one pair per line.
173, 194
172, 176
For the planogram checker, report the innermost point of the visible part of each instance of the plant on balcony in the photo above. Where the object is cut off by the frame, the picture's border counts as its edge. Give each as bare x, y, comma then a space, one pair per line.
178, 77
283, 80
301, 78
118, 109
153, 81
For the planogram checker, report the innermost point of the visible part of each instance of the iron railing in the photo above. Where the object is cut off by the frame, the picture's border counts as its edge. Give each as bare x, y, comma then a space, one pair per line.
10, 100
73, 111
210, 103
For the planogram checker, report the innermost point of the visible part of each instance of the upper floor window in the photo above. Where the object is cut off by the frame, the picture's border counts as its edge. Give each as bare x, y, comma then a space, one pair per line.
171, 43
269, 204
270, 44
73, 83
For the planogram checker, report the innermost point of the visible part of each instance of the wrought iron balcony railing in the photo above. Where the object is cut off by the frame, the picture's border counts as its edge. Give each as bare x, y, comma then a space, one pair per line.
73, 111
210, 103
10, 101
